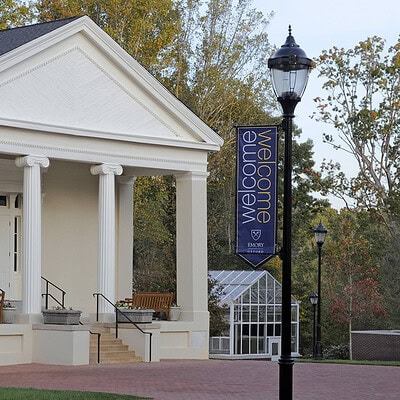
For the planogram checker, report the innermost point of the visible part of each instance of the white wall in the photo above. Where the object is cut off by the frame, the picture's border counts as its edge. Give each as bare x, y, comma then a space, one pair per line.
69, 231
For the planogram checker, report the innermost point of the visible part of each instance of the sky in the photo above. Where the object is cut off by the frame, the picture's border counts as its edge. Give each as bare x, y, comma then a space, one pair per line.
318, 26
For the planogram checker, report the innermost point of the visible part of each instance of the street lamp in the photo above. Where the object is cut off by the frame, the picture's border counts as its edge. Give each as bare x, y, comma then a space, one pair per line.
289, 69
314, 302
320, 233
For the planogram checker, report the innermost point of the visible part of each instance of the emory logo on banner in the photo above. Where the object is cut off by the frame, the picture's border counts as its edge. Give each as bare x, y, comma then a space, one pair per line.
256, 192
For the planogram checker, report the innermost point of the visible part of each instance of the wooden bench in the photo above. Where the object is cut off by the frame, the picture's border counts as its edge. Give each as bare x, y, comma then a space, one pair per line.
159, 302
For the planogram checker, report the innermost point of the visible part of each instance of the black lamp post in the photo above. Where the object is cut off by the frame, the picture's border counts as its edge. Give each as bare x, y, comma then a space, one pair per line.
314, 302
320, 233
289, 68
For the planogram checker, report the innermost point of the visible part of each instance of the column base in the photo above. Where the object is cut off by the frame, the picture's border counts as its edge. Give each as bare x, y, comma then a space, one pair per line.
103, 317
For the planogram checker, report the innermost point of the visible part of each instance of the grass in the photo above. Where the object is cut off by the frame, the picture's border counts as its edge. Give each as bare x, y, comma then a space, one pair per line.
38, 394
351, 362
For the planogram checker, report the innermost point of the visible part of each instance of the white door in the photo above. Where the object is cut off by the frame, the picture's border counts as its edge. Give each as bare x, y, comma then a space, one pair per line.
275, 348
5, 253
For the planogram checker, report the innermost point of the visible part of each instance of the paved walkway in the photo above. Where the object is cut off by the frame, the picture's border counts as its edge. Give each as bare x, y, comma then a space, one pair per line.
212, 380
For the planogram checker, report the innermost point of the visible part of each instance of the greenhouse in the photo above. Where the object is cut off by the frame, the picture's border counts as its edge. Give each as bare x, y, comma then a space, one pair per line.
254, 300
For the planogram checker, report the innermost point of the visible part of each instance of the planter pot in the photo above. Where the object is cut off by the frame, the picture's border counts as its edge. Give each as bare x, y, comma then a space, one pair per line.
174, 313
9, 315
61, 317
137, 316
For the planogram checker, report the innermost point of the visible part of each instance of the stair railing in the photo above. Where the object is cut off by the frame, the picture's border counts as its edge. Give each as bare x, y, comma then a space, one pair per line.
126, 315
98, 344
98, 341
47, 294
61, 303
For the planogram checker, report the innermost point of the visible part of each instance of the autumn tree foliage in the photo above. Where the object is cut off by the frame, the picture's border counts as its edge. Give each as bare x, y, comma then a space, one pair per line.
362, 103
14, 13
145, 29
351, 276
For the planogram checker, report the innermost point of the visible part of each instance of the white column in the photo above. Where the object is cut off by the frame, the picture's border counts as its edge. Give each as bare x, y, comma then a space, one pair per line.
191, 238
32, 232
106, 245
125, 236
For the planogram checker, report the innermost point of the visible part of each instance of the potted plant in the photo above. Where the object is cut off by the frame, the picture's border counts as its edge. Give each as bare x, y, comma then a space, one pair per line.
174, 312
61, 316
8, 313
127, 313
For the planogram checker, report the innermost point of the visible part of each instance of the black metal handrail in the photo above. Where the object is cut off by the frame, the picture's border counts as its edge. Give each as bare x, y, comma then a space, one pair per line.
98, 341
117, 310
48, 294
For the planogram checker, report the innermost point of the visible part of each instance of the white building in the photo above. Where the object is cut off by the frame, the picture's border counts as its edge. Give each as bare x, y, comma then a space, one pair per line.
79, 120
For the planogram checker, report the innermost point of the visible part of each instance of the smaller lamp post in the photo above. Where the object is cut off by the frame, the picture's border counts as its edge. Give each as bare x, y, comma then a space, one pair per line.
314, 302
320, 233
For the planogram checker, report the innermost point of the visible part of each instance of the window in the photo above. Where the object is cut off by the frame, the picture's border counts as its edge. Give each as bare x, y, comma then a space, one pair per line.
16, 242
3, 201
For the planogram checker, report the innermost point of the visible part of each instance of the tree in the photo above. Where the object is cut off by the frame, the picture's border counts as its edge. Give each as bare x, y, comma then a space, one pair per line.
351, 275
154, 235
14, 13
363, 105
218, 312
145, 29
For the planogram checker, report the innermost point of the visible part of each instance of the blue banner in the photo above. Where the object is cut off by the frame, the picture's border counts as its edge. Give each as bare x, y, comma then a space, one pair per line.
256, 192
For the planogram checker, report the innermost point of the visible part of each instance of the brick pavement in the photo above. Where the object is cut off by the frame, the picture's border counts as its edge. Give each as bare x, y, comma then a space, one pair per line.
212, 380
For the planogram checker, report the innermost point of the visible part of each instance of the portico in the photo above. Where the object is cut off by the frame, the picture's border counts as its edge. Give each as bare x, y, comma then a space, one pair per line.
79, 121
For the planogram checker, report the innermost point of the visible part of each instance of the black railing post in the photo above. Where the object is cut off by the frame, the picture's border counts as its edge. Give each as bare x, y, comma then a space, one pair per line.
116, 321
47, 295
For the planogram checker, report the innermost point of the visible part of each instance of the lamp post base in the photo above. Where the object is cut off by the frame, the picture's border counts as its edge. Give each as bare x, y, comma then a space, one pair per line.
286, 377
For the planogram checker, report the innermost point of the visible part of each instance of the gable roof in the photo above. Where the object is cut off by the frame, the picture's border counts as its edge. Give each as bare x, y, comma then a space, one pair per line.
12, 38
53, 72
235, 283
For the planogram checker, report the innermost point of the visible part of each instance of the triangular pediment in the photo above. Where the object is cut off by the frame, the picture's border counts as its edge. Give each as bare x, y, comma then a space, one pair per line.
82, 84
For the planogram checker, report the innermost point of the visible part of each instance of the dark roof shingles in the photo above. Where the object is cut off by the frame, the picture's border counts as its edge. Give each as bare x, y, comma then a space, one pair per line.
12, 38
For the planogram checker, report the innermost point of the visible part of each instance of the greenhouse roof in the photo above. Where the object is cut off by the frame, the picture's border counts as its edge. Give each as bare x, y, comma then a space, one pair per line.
235, 283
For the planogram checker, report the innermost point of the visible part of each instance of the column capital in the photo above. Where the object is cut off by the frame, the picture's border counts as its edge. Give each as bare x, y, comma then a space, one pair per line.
31, 160
127, 180
193, 176
106, 169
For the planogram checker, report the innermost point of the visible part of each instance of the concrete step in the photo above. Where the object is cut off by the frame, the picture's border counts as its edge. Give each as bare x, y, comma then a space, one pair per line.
104, 338
117, 360
110, 347
112, 350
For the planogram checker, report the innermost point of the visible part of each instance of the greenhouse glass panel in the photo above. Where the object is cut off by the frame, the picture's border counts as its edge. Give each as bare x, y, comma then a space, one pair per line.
245, 313
261, 346
236, 316
262, 295
278, 314
294, 313
270, 314
278, 294
246, 297
262, 313
254, 313
270, 297
254, 294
